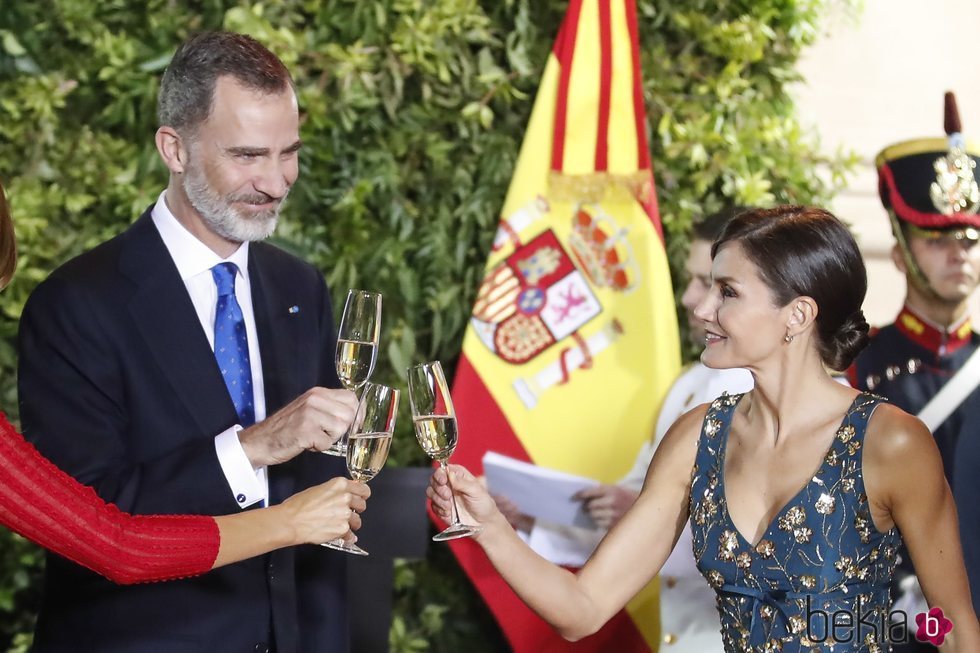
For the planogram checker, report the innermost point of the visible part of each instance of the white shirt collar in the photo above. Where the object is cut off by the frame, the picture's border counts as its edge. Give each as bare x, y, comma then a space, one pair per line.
191, 256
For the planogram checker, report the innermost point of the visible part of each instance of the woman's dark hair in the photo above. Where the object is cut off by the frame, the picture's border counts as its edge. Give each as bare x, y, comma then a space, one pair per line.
8, 245
802, 250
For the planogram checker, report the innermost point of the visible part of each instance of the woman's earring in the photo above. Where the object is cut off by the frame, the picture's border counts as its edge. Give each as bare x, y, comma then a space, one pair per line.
788, 338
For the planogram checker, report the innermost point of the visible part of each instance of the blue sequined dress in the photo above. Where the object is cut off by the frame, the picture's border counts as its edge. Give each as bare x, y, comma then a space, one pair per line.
820, 559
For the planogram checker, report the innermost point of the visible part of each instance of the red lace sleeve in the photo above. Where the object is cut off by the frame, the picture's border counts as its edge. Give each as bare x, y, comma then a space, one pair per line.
47, 506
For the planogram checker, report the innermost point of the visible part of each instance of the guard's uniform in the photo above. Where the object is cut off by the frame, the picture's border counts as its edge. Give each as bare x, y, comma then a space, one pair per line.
966, 492
909, 361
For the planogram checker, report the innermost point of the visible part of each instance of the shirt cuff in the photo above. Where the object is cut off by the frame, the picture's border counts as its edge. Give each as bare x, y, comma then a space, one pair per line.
246, 483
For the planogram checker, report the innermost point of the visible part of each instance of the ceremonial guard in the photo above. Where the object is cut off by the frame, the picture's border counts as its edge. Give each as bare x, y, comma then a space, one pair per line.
926, 361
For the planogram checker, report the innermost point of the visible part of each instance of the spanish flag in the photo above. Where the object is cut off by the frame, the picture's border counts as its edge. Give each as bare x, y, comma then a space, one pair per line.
573, 339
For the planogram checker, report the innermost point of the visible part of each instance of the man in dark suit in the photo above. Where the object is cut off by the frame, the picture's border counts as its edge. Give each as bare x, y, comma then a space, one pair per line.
186, 367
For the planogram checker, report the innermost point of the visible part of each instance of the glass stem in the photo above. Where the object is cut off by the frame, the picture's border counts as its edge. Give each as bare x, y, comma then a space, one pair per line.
452, 492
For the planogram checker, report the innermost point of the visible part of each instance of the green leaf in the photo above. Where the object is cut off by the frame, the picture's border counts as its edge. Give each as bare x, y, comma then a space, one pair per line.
11, 45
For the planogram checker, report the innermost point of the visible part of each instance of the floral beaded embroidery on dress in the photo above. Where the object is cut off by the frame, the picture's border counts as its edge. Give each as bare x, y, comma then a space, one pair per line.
820, 553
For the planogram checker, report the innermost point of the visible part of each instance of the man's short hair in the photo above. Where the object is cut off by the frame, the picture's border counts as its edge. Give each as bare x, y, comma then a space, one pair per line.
187, 88
709, 227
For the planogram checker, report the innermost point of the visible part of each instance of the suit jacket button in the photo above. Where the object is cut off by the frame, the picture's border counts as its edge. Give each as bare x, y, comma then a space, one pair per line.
261, 647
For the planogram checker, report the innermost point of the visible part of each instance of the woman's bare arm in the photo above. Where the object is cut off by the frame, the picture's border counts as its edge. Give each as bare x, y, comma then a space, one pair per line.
318, 514
905, 482
633, 552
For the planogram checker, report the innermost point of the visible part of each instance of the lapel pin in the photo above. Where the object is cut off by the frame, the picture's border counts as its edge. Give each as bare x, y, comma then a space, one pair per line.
293, 310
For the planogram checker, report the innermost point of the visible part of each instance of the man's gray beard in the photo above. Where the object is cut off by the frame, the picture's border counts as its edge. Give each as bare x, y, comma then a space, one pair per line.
221, 217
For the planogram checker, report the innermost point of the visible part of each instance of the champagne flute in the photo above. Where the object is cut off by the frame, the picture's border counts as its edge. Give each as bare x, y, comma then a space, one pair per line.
435, 428
370, 440
357, 347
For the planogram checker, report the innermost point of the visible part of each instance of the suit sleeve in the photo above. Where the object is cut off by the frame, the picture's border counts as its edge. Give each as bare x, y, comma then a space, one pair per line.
73, 399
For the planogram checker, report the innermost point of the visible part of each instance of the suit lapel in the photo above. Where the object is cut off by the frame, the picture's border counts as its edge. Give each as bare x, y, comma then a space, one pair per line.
165, 317
279, 345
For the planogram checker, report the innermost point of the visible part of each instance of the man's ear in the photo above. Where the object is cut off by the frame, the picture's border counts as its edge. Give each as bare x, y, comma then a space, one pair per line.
898, 259
803, 314
171, 148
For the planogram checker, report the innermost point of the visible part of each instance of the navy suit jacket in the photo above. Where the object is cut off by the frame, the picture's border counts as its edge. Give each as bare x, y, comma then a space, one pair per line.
966, 491
120, 388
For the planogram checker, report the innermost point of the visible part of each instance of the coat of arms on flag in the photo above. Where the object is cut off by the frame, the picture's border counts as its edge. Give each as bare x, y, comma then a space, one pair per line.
532, 300
538, 296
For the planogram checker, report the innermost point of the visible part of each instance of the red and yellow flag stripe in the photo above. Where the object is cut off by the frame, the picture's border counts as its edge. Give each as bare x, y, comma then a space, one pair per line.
573, 340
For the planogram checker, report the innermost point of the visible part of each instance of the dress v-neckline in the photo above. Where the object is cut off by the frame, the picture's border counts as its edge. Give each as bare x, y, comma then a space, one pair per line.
723, 454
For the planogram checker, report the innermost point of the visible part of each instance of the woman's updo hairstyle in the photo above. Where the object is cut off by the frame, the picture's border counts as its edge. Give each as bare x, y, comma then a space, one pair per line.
802, 250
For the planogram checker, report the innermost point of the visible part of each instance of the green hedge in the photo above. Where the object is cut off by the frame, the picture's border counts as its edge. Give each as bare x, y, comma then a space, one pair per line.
413, 112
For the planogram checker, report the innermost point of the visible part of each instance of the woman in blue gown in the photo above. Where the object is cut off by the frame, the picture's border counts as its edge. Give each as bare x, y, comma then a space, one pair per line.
797, 493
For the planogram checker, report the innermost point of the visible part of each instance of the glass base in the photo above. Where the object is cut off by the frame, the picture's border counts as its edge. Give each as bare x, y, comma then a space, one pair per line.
338, 448
455, 532
340, 545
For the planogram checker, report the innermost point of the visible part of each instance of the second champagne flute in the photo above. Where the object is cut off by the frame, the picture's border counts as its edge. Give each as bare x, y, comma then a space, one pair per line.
435, 428
357, 346
370, 440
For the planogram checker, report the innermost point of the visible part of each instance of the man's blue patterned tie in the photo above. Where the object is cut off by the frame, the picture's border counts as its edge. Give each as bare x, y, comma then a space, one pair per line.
231, 344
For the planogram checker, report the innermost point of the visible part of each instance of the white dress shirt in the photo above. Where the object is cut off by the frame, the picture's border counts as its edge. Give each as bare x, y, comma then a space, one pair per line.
194, 261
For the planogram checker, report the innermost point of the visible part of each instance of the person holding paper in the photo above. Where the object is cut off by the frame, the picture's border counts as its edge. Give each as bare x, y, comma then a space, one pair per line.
929, 345
778, 541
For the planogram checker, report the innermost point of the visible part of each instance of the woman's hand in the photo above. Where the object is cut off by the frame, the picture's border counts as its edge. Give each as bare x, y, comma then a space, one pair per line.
476, 506
327, 511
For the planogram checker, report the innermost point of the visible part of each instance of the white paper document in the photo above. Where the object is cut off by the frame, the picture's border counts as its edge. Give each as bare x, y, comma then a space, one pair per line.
540, 492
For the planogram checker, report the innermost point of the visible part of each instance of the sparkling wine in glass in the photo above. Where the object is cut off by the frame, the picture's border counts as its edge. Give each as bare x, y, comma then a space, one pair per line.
355, 362
369, 442
357, 346
435, 429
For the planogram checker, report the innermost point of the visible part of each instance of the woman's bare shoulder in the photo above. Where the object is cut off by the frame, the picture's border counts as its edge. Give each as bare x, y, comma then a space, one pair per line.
686, 430
894, 435
688, 425
676, 454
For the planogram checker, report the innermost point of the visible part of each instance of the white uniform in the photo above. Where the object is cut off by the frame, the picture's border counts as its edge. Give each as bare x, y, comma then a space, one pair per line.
688, 616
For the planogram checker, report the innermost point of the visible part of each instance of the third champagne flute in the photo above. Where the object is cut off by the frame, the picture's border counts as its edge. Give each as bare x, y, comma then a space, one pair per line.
435, 428
370, 440
357, 346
